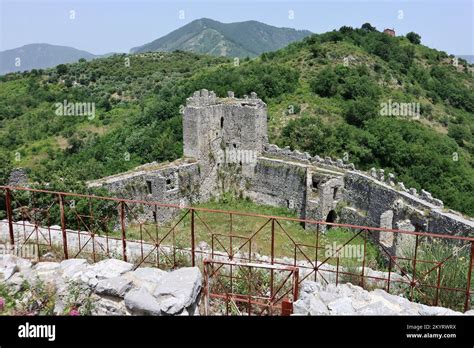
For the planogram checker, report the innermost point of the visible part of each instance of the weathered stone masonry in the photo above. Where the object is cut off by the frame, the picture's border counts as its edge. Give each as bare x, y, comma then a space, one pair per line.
316, 188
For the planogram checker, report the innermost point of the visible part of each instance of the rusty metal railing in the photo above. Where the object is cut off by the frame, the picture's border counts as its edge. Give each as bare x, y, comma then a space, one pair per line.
221, 281
434, 268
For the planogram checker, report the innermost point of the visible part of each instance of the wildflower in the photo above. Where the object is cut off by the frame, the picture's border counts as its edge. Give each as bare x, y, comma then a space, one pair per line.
2, 304
74, 312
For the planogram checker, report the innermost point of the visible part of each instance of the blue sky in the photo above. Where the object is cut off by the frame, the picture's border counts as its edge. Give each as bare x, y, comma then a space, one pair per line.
103, 26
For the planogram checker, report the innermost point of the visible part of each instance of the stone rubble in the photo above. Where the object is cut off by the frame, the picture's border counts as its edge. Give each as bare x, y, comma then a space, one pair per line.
112, 285
116, 289
347, 299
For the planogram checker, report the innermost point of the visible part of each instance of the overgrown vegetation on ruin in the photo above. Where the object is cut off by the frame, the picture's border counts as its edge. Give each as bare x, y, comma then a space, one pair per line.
453, 270
287, 233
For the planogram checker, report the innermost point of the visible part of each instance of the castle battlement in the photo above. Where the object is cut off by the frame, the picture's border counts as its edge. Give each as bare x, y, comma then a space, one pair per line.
313, 187
204, 98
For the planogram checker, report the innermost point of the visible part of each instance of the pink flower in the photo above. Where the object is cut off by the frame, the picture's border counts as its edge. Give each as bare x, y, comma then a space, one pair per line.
74, 312
2, 304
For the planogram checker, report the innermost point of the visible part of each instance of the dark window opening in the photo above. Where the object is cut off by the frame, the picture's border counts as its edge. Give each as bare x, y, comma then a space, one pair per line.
418, 227
235, 145
315, 184
334, 192
170, 184
331, 218
222, 122
148, 186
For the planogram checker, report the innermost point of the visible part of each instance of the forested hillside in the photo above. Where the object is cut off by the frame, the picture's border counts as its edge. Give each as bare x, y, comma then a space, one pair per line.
240, 39
324, 96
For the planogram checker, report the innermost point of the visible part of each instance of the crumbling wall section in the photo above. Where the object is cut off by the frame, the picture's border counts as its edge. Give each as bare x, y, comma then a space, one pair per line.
279, 183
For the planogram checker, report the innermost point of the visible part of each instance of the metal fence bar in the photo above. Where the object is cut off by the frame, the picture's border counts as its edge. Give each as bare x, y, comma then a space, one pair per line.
63, 225
469, 275
193, 251
8, 203
123, 229
278, 218
417, 282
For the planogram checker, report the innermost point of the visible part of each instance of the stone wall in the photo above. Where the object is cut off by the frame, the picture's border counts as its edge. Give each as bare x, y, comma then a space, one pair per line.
18, 177
279, 183
316, 188
381, 204
178, 183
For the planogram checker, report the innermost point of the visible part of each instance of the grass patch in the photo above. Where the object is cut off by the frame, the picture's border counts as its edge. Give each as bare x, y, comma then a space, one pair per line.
287, 234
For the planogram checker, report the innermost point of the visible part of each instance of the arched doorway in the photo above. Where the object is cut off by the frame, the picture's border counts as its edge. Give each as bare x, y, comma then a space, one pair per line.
418, 227
331, 218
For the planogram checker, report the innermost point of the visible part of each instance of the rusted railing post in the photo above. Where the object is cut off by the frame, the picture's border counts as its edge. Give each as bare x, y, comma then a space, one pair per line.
286, 308
63, 225
206, 287
469, 276
272, 256
362, 279
316, 268
389, 273
438, 282
296, 275
413, 280
250, 291
193, 249
122, 224
8, 203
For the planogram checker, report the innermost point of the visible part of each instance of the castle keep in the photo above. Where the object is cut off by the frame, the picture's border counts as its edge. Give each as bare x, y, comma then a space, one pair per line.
226, 149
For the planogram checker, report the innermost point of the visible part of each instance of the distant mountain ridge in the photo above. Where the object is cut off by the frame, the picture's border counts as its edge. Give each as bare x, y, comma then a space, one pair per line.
39, 56
239, 39
205, 36
468, 57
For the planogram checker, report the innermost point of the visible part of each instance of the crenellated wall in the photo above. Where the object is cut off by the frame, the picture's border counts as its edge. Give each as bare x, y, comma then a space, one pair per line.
226, 149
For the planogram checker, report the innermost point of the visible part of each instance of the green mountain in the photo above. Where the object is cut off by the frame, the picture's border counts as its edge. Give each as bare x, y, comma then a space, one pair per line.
39, 56
325, 95
467, 57
242, 39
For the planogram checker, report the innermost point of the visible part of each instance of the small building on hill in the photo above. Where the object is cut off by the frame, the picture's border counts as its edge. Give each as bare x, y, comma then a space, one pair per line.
389, 32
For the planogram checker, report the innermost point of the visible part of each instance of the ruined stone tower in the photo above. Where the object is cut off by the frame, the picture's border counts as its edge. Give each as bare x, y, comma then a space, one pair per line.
211, 124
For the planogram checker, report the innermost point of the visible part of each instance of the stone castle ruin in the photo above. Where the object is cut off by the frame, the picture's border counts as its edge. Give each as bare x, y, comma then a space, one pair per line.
226, 149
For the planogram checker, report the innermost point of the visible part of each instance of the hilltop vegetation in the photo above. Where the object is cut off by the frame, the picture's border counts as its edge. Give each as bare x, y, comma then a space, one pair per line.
240, 39
324, 96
